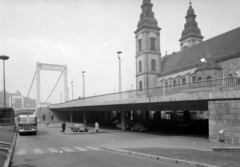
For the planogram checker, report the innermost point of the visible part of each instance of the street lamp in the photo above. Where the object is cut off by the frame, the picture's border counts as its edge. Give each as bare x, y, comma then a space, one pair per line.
72, 89
3, 57
83, 84
120, 86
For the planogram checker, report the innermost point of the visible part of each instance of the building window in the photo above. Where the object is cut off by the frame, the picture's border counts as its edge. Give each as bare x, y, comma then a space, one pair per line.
174, 83
209, 78
153, 65
140, 45
194, 79
52, 117
140, 86
183, 80
44, 117
153, 43
199, 79
166, 83
140, 66
209, 82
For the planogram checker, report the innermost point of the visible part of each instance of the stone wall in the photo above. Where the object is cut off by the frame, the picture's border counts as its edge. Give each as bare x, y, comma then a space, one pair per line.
224, 115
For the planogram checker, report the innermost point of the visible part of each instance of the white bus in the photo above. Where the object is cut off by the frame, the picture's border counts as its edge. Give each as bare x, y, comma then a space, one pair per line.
27, 124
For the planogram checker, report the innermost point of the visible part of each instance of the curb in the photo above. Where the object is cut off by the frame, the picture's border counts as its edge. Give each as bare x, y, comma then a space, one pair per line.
226, 149
10, 152
159, 158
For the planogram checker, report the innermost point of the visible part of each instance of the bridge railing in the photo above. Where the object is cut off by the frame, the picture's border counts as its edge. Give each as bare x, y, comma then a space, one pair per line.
213, 85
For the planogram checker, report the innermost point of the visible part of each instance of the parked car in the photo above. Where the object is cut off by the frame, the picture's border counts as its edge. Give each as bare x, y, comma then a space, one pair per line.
129, 125
119, 126
79, 128
139, 127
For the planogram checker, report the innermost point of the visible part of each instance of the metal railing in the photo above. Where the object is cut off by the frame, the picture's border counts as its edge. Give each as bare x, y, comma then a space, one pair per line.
214, 85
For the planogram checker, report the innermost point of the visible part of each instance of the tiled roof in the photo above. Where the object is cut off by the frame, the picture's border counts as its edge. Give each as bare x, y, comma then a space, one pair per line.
219, 47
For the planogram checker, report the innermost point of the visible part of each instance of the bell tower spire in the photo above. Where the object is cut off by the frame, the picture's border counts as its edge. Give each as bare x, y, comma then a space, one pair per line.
191, 34
148, 53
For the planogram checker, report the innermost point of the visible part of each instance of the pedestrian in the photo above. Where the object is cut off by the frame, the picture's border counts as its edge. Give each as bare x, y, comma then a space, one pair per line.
96, 127
63, 127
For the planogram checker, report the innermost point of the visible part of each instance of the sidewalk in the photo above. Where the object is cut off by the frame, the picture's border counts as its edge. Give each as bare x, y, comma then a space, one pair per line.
181, 142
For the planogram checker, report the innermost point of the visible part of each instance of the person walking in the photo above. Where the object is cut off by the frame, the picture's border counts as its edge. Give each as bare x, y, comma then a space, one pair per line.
96, 127
63, 127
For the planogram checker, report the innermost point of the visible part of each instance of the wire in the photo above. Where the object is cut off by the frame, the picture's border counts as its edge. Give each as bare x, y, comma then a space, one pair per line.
25, 99
54, 87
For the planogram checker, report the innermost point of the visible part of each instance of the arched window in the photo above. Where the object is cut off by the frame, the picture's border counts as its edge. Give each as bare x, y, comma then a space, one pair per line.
140, 86
183, 80
140, 66
209, 82
153, 43
153, 65
209, 78
174, 82
199, 79
139, 45
193, 78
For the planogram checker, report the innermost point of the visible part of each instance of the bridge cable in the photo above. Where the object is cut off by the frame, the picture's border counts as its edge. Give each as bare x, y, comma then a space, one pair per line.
54, 87
29, 89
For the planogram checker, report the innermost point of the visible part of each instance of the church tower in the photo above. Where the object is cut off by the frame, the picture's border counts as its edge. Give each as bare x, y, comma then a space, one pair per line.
148, 54
191, 34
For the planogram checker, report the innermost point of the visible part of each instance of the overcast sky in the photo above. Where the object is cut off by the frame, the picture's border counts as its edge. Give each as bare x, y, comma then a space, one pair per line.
85, 35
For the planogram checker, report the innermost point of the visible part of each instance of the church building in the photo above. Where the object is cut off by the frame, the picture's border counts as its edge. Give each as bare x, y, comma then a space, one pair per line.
197, 60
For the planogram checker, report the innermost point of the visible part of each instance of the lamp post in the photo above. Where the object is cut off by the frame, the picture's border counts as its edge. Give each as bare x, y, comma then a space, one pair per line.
83, 84
120, 86
72, 89
3, 57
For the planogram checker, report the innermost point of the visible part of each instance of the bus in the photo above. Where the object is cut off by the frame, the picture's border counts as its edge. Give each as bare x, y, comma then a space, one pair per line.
27, 124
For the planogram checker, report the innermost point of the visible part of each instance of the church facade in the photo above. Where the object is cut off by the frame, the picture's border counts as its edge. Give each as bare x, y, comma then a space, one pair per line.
196, 61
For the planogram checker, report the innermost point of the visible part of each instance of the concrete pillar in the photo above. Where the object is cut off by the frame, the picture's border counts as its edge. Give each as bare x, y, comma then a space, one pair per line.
71, 118
84, 117
123, 120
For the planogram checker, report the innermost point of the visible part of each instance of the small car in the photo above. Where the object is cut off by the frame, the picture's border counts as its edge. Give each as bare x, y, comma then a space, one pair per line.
79, 128
119, 126
139, 127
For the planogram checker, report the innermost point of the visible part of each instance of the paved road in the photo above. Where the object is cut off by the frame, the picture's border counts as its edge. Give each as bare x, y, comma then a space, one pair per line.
51, 148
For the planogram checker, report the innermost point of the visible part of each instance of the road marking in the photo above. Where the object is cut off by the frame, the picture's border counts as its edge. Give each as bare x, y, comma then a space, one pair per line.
81, 149
21, 152
53, 150
93, 148
67, 149
37, 151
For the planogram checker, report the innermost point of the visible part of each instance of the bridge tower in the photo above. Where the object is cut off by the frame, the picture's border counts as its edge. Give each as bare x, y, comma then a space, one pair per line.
51, 67
148, 53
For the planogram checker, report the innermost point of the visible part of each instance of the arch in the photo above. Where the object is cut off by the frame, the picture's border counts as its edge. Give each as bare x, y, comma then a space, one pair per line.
199, 79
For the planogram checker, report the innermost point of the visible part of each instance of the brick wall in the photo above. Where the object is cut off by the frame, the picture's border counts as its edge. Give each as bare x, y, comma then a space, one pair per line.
224, 115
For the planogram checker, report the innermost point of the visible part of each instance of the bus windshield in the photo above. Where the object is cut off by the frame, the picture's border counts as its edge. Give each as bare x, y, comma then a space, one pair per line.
23, 119
31, 119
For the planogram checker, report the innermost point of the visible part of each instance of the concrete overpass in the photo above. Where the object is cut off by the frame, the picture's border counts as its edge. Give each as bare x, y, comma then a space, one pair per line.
220, 98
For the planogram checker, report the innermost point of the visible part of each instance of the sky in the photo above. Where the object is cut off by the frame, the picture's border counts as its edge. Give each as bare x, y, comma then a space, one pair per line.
86, 35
